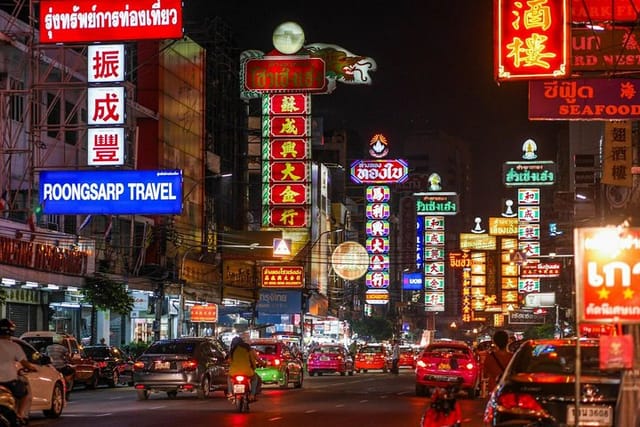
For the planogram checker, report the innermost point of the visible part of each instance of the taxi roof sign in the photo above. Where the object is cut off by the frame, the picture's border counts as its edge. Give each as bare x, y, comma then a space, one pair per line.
281, 247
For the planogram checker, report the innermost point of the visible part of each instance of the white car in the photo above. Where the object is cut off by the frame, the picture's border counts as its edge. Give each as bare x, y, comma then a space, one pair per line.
47, 385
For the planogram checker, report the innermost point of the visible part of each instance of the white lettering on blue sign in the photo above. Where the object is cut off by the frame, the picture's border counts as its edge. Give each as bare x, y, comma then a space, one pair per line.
108, 191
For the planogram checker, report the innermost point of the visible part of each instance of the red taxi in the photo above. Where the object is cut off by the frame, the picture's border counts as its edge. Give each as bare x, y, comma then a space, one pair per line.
445, 363
372, 356
329, 358
407, 357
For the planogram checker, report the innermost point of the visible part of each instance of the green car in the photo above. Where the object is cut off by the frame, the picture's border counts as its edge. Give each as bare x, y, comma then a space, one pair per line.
277, 364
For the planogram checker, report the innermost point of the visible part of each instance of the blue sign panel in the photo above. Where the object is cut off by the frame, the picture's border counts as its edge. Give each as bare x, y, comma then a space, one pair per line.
411, 281
116, 192
280, 302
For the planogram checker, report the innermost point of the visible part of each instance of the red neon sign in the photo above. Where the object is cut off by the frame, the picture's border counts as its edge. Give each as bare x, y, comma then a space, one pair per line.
284, 74
532, 39
87, 21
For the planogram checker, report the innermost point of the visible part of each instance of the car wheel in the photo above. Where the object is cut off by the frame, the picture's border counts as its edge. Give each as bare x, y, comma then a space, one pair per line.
343, 373
421, 390
311, 373
351, 373
115, 379
57, 402
365, 370
285, 380
142, 394
172, 394
319, 374
205, 388
93, 381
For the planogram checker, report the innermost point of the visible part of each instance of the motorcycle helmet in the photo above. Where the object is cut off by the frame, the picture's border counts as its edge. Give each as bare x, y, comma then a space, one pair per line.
7, 327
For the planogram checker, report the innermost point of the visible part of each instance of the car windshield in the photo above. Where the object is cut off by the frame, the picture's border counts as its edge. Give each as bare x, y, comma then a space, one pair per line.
265, 348
172, 347
556, 358
327, 349
371, 350
40, 343
443, 351
97, 351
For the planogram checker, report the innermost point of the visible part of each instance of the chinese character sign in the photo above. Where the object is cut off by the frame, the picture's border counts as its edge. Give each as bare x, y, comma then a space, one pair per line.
105, 105
105, 63
531, 39
105, 146
618, 154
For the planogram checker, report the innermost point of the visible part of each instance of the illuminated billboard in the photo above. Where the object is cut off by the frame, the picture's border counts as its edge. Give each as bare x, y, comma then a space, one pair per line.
115, 192
85, 21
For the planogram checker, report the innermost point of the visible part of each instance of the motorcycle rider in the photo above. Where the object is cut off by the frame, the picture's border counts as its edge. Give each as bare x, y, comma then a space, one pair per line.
10, 353
243, 361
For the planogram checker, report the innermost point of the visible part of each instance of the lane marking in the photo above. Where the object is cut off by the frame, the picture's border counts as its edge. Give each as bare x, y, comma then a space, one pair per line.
275, 419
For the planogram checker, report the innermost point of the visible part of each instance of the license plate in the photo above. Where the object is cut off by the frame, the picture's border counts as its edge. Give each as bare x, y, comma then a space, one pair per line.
238, 389
444, 366
324, 358
591, 415
161, 365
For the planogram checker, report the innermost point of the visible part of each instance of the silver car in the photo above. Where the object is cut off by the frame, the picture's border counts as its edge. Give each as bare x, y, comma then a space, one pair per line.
191, 365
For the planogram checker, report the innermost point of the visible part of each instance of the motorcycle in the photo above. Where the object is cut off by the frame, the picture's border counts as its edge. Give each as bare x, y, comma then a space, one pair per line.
241, 392
444, 410
8, 407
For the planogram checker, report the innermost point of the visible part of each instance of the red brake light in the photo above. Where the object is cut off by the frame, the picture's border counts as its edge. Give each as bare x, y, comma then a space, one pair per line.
138, 365
470, 366
421, 363
276, 362
519, 401
189, 365
239, 378
102, 365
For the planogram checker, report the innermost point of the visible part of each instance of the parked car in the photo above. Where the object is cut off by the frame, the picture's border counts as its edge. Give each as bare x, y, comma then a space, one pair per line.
372, 356
115, 367
87, 371
538, 386
47, 385
277, 364
407, 357
181, 365
446, 363
329, 359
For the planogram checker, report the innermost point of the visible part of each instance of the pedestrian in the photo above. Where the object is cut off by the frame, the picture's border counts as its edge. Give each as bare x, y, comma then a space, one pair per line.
395, 357
103, 341
497, 359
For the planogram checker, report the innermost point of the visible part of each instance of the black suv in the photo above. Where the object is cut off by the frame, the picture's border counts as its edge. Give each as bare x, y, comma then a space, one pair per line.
181, 365
115, 367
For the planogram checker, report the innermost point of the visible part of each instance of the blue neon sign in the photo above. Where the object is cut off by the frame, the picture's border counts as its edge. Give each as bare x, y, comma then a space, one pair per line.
411, 281
116, 192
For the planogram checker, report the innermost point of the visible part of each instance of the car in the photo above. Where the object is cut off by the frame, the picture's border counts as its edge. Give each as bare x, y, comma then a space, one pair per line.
446, 363
407, 357
277, 364
47, 384
186, 365
87, 372
372, 356
329, 359
538, 386
115, 367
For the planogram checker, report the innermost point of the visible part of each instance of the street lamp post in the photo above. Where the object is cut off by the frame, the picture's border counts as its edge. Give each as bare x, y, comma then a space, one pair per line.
182, 283
319, 240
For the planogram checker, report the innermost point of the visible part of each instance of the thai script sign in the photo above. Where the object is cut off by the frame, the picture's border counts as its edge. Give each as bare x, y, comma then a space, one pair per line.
540, 269
284, 74
527, 173
584, 99
279, 301
111, 192
87, 21
499, 226
531, 39
522, 317
283, 276
204, 313
605, 50
607, 274
481, 242
379, 171
436, 203
459, 260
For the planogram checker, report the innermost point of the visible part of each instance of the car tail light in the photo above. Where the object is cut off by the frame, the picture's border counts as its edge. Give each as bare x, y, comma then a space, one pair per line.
470, 366
520, 401
239, 378
138, 366
276, 362
189, 365
421, 364
339, 357
102, 365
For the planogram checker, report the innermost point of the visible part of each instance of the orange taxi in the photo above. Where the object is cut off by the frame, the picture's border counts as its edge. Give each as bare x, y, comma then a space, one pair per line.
372, 356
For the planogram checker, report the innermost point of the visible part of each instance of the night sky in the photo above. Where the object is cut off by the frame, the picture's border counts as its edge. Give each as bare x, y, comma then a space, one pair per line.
435, 71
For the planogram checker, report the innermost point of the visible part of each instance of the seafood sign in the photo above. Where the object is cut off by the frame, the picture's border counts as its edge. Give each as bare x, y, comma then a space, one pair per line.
608, 274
